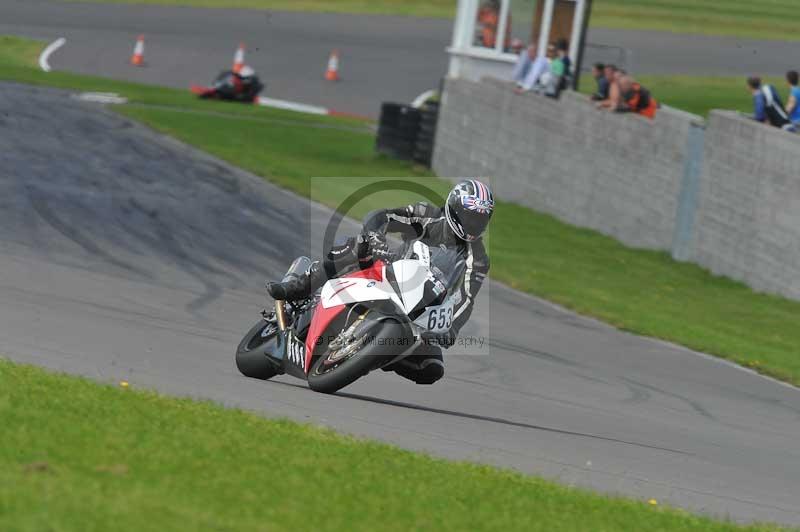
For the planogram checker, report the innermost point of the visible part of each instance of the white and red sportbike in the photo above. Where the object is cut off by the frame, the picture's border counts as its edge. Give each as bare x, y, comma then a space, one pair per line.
359, 322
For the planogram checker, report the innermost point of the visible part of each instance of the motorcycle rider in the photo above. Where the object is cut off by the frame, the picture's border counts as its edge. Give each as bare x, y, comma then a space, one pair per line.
248, 84
241, 86
458, 225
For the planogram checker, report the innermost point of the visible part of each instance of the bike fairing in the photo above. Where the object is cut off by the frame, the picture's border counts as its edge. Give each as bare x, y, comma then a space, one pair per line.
325, 315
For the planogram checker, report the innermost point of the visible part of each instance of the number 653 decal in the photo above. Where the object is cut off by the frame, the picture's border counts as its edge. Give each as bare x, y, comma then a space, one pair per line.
440, 318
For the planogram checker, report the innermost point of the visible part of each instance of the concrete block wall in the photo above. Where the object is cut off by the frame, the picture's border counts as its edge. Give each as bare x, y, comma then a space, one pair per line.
747, 224
618, 174
724, 194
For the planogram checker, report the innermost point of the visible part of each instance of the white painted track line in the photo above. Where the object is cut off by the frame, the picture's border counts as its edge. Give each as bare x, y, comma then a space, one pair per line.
292, 106
45, 55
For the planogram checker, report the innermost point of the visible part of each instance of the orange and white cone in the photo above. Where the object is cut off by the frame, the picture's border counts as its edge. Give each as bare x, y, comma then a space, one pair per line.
137, 59
332, 74
238, 58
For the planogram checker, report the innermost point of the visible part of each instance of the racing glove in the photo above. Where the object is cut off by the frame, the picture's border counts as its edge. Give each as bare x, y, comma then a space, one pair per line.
377, 245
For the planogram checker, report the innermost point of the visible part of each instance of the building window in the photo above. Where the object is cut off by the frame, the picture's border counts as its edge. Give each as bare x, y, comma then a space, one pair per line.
487, 24
498, 24
521, 14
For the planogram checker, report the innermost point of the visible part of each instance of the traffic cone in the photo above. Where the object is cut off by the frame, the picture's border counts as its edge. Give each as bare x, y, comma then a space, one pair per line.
238, 58
332, 74
137, 59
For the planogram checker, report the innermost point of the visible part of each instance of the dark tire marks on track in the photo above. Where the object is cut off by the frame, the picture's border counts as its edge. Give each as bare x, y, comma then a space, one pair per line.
46, 213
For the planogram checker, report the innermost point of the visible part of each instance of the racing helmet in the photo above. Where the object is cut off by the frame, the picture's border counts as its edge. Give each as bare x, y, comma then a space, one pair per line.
469, 208
246, 71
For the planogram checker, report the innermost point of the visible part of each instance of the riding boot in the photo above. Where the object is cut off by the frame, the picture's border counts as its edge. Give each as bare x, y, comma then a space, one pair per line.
424, 366
299, 287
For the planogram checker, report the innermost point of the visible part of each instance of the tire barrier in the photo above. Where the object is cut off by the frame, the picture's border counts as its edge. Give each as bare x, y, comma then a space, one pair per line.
407, 133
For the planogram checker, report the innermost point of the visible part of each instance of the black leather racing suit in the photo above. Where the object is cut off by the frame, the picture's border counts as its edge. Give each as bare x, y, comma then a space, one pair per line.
428, 223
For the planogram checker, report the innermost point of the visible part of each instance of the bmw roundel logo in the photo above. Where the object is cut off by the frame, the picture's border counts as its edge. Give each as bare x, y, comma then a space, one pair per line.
370, 284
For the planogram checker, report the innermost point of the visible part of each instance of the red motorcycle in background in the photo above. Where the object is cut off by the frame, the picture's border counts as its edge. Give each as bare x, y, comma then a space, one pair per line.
243, 86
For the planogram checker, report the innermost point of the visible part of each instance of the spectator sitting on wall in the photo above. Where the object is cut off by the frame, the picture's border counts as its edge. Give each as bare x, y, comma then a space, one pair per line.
599, 75
767, 105
546, 79
560, 70
635, 99
562, 55
557, 72
529, 69
793, 103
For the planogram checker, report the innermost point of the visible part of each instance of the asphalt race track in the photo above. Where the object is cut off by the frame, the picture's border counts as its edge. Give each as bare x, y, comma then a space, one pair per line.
127, 255
382, 58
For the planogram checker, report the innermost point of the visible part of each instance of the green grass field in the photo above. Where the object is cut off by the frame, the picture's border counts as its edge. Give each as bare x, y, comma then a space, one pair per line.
16, 52
701, 94
80, 456
640, 291
766, 19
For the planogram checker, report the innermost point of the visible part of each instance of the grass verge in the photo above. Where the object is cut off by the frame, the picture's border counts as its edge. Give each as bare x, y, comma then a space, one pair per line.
640, 291
739, 18
700, 94
415, 8
76, 455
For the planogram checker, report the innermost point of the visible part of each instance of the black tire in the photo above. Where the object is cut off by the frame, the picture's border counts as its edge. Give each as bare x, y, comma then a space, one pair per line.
408, 123
424, 140
427, 129
392, 113
421, 157
423, 160
392, 136
395, 144
395, 153
370, 356
406, 132
251, 355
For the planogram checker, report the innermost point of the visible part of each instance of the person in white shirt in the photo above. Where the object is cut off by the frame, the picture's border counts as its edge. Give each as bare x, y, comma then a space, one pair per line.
529, 69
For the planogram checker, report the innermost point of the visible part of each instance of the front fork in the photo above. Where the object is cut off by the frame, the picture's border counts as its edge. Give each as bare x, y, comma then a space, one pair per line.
290, 350
280, 314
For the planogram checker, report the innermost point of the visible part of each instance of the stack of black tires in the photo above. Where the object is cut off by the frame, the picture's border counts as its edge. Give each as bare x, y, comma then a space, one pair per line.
407, 133
423, 149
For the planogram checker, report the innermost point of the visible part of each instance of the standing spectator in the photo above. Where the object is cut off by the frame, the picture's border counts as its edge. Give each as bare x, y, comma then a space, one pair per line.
599, 75
488, 23
793, 103
529, 69
635, 99
767, 105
